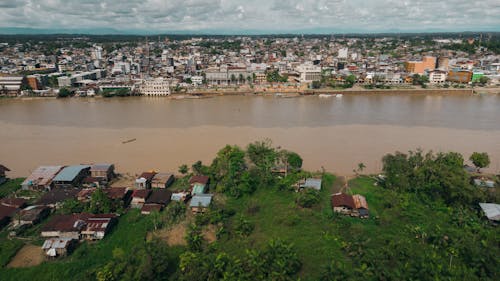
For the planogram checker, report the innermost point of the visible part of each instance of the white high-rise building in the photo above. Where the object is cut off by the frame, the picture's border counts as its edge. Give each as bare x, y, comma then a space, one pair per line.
309, 72
155, 87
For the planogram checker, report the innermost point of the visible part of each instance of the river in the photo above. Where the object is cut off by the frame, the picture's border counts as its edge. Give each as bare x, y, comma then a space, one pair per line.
333, 133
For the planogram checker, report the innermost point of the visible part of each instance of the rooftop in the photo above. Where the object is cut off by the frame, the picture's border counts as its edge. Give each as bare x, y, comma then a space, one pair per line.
69, 173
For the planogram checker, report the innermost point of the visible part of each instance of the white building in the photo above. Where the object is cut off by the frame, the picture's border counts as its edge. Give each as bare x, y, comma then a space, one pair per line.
197, 80
155, 87
343, 53
309, 72
437, 77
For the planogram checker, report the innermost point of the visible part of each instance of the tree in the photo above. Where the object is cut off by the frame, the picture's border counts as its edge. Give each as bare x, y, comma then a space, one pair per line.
63, 93
100, 203
483, 80
316, 84
350, 80
197, 167
183, 169
480, 160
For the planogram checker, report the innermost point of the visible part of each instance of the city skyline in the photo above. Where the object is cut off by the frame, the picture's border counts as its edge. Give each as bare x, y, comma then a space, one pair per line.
241, 17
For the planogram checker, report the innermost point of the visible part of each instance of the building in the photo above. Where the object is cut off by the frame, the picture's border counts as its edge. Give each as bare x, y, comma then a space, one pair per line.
144, 180
476, 76
162, 180
57, 196
79, 226
309, 73
71, 176
437, 77
155, 87
492, 211
33, 214
353, 205
459, 76
58, 247
41, 178
34, 82
199, 184
199, 203
3, 177
139, 197
196, 80
76, 79
343, 52
12, 85
311, 183
104, 172
443, 63
419, 67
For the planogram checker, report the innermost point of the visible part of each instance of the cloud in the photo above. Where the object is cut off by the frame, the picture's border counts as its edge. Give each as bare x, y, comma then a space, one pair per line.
263, 15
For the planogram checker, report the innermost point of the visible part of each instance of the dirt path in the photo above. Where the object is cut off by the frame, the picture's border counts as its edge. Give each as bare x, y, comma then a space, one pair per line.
29, 255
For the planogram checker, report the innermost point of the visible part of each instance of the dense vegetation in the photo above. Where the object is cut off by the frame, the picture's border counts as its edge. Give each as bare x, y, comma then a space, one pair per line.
424, 225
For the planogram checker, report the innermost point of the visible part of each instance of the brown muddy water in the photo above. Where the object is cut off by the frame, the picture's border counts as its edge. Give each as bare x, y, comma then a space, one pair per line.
334, 133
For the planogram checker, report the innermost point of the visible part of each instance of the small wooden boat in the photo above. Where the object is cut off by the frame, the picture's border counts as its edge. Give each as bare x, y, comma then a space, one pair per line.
127, 141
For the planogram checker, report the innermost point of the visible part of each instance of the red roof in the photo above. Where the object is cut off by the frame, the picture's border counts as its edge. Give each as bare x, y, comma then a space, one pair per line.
115, 192
151, 207
141, 193
13, 202
77, 222
342, 200
199, 179
147, 175
6, 211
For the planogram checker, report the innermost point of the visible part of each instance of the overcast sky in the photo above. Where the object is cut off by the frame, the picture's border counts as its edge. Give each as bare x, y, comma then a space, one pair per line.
261, 15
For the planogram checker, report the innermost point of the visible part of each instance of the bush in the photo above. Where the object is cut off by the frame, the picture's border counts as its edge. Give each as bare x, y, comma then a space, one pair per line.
308, 197
243, 227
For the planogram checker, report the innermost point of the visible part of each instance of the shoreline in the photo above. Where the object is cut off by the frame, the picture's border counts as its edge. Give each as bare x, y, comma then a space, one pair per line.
299, 93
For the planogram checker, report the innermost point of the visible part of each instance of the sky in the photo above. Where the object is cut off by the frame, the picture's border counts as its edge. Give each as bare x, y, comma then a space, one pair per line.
253, 16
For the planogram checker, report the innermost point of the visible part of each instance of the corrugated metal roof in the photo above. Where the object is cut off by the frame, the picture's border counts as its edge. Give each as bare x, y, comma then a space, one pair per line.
56, 243
69, 173
313, 183
42, 175
202, 200
491, 210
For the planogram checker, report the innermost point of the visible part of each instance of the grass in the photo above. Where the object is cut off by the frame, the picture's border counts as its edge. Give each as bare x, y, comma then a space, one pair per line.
312, 231
10, 186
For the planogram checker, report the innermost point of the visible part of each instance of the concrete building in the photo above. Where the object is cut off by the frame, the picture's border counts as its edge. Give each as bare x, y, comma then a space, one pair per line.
155, 87
11, 85
437, 77
343, 53
459, 76
77, 78
309, 73
443, 63
419, 67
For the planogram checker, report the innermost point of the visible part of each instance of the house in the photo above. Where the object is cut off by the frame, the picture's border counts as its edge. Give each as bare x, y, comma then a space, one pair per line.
311, 183
56, 247
84, 195
33, 214
6, 214
122, 194
200, 202
199, 184
139, 197
65, 226
41, 178
14, 202
79, 226
181, 196
55, 197
162, 180
3, 177
492, 211
71, 176
97, 226
148, 208
353, 205
144, 180
159, 196
103, 172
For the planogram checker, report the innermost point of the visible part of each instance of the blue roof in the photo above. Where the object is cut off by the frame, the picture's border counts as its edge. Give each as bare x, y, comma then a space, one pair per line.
69, 173
202, 200
313, 183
